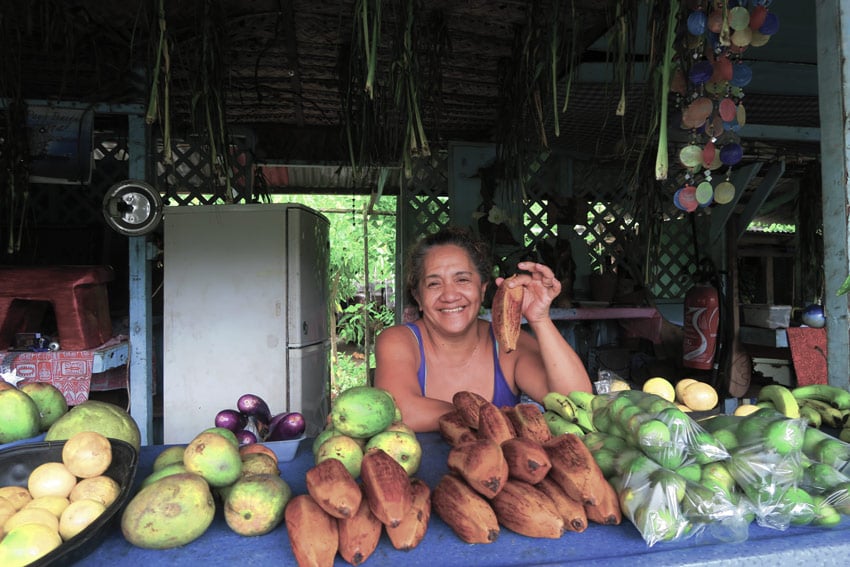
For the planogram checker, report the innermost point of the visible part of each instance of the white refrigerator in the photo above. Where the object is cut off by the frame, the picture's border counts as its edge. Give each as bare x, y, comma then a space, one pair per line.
245, 311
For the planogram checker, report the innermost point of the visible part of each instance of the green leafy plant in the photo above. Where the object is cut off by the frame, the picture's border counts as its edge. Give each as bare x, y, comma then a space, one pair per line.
348, 371
358, 319
845, 287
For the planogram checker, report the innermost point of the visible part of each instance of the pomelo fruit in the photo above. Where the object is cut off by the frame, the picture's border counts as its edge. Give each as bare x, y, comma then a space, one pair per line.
87, 454
93, 415
51, 479
102, 488
699, 396
19, 417
680, 387
53, 504
78, 516
17, 496
49, 399
32, 516
661, 387
7, 510
26, 543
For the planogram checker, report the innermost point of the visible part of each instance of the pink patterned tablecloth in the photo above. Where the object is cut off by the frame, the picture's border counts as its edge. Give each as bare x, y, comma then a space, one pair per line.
72, 371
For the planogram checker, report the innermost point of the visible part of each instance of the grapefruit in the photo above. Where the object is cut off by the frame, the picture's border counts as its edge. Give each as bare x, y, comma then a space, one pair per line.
93, 415
49, 399
19, 417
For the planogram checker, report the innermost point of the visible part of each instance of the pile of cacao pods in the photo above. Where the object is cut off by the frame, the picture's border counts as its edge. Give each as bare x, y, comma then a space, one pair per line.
506, 469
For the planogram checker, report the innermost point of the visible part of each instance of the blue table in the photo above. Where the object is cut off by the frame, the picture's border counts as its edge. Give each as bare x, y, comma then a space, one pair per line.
598, 545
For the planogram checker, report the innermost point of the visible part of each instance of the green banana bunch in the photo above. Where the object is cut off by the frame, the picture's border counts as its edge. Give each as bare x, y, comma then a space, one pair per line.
811, 415
560, 404
830, 416
581, 399
584, 420
558, 424
782, 398
833, 395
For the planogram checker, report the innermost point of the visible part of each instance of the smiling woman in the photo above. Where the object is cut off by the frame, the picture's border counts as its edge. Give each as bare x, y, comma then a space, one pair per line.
449, 348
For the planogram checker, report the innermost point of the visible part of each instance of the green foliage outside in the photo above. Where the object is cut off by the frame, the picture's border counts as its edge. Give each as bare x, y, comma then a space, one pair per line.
348, 271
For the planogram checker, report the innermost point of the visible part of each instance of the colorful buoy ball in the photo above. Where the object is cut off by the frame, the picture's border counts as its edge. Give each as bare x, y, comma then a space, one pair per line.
770, 25
741, 75
731, 153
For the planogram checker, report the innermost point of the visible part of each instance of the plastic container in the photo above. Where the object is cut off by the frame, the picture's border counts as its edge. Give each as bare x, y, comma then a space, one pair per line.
285, 450
16, 464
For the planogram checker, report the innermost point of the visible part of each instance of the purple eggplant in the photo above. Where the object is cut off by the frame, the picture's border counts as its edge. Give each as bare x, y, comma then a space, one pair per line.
245, 437
286, 426
231, 419
253, 405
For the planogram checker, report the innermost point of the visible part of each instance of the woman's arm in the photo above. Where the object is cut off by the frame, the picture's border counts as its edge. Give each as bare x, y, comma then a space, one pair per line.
396, 365
546, 361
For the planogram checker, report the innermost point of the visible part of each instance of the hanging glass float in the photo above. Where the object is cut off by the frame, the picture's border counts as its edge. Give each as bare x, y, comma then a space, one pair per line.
724, 192
731, 153
704, 194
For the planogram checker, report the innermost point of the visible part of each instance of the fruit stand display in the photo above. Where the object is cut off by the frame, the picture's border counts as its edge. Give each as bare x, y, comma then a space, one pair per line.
637, 479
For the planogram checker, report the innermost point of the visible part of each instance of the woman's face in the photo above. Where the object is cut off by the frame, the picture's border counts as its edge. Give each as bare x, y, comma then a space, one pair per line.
451, 291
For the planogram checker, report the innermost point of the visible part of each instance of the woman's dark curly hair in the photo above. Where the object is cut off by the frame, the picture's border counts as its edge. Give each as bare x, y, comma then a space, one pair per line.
477, 249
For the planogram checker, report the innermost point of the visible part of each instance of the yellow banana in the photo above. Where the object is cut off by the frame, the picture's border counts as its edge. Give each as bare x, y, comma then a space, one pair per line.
558, 424
560, 404
782, 399
833, 395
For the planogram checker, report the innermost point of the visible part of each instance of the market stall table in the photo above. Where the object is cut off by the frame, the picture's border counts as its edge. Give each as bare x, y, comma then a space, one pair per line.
75, 372
598, 545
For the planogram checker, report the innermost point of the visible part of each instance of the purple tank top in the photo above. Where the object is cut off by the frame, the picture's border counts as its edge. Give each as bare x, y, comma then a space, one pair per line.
502, 394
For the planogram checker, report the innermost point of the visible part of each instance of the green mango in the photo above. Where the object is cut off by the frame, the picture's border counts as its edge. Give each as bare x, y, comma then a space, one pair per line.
362, 411
254, 504
170, 512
